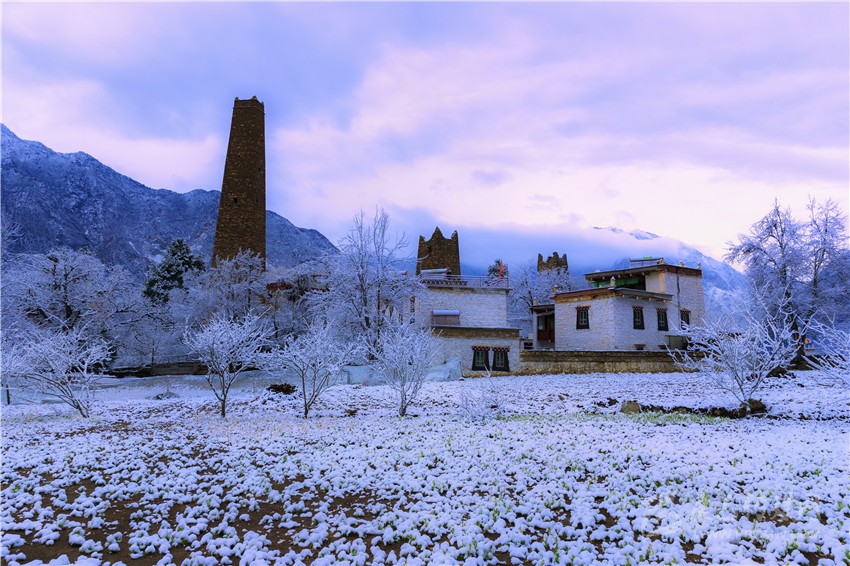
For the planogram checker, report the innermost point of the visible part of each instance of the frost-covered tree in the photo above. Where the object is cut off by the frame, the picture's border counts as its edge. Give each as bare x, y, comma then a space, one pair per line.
365, 286
228, 347
402, 357
170, 273
64, 365
833, 358
316, 357
738, 355
801, 266
66, 290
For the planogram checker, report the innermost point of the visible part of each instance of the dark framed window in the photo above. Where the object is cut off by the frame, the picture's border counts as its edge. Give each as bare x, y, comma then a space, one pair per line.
582, 318
637, 318
500, 359
685, 317
662, 320
480, 358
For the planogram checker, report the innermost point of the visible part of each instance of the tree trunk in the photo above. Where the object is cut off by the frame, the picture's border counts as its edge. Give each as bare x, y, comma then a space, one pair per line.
8, 395
223, 407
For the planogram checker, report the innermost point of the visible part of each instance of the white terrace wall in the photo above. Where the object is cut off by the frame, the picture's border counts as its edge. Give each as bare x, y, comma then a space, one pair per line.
478, 307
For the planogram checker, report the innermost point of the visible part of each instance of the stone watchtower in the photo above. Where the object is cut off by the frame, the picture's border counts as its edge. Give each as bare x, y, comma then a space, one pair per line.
554, 261
438, 252
242, 209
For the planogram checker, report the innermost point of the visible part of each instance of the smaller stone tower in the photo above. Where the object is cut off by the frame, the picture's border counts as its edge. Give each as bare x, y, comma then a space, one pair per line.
241, 221
438, 252
554, 261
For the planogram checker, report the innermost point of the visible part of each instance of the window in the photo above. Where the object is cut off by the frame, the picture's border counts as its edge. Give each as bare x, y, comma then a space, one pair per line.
500, 359
637, 318
582, 318
685, 317
662, 320
480, 358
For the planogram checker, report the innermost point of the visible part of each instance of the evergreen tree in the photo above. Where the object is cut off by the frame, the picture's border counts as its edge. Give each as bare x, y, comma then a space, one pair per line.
169, 273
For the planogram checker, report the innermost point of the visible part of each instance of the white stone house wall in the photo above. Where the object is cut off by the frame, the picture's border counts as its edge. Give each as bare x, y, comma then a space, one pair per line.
461, 349
625, 334
479, 308
687, 294
611, 321
598, 337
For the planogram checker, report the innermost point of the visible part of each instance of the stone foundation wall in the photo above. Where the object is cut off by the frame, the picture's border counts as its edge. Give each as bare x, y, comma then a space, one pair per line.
540, 362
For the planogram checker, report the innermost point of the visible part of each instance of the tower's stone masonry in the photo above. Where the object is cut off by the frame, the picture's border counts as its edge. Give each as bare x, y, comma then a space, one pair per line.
554, 261
242, 209
438, 252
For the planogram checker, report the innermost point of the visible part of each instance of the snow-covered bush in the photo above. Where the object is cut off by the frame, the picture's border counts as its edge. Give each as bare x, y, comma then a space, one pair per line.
316, 357
739, 361
228, 348
64, 365
402, 357
481, 397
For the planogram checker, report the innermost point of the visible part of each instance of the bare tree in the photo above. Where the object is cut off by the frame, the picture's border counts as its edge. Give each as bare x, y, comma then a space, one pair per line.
738, 361
402, 356
316, 357
228, 348
834, 347
365, 285
799, 266
65, 365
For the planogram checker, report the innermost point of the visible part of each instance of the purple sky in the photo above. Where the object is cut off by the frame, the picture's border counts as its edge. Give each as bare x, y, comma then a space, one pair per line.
533, 122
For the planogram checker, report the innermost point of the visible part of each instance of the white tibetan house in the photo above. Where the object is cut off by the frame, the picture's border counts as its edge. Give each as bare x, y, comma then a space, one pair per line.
468, 315
642, 307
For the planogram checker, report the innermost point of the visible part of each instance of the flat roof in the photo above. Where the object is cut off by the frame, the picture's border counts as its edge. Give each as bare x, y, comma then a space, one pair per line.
604, 292
631, 271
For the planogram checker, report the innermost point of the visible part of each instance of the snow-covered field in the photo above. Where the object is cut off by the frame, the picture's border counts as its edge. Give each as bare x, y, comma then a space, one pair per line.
555, 474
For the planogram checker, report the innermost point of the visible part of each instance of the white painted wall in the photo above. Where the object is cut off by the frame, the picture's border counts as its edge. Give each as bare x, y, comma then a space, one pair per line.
479, 308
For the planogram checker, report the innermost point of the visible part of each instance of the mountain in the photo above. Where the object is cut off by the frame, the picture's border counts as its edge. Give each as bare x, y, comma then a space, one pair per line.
71, 199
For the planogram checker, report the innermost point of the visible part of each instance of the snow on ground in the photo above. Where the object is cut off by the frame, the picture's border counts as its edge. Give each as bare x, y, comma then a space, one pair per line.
554, 475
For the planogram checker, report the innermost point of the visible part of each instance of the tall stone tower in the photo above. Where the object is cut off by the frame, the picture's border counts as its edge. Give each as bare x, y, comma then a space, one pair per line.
242, 209
438, 252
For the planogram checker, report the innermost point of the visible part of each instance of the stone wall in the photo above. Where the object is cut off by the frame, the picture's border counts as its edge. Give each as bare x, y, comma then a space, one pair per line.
438, 252
544, 362
241, 223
